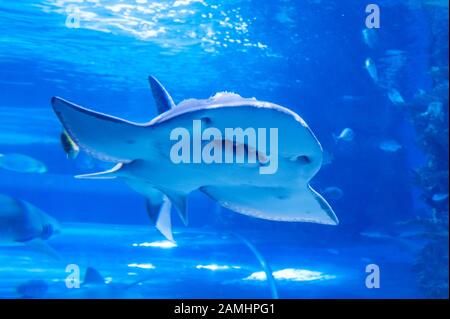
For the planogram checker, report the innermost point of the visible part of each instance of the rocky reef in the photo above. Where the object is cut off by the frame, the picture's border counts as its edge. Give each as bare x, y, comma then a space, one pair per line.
429, 115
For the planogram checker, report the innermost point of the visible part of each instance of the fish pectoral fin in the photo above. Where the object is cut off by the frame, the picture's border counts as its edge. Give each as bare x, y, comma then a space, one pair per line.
179, 200
158, 207
108, 174
159, 213
164, 222
41, 246
163, 100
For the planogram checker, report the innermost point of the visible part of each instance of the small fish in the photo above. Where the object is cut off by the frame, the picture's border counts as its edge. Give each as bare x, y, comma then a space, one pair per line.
439, 197
372, 69
95, 286
333, 251
395, 97
395, 53
423, 235
439, 71
346, 135
22, 223
434, 110
351, 98
21, 163
69, 146
32, 289
369, 37
333, 192
416, 225
391, 146
376, 235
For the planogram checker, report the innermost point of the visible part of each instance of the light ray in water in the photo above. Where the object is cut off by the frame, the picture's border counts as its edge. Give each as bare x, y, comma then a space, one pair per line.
165, 244
141, 266
292, 274
215, 267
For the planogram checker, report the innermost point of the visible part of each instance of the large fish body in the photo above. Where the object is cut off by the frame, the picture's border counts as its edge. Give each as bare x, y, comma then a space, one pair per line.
142, 153
22, 223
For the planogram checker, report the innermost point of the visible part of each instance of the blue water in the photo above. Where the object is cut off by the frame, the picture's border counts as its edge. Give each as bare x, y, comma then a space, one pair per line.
308, 56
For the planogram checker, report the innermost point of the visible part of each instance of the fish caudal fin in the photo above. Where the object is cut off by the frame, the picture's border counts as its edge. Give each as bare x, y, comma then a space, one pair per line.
335, 138
102, 136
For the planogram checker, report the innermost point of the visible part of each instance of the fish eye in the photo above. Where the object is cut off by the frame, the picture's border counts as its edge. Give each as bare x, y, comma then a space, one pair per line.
301, 159
206, 120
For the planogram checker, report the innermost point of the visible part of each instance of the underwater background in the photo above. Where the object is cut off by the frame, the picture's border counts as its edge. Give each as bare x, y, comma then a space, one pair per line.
387, 181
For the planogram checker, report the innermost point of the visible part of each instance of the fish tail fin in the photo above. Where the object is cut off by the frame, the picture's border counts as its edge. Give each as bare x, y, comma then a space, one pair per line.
102, 136
335, 138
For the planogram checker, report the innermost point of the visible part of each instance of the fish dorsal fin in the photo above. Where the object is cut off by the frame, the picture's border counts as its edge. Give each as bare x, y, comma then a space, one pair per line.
160, 215
179, 201
92, 276
108, 174
163, 100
